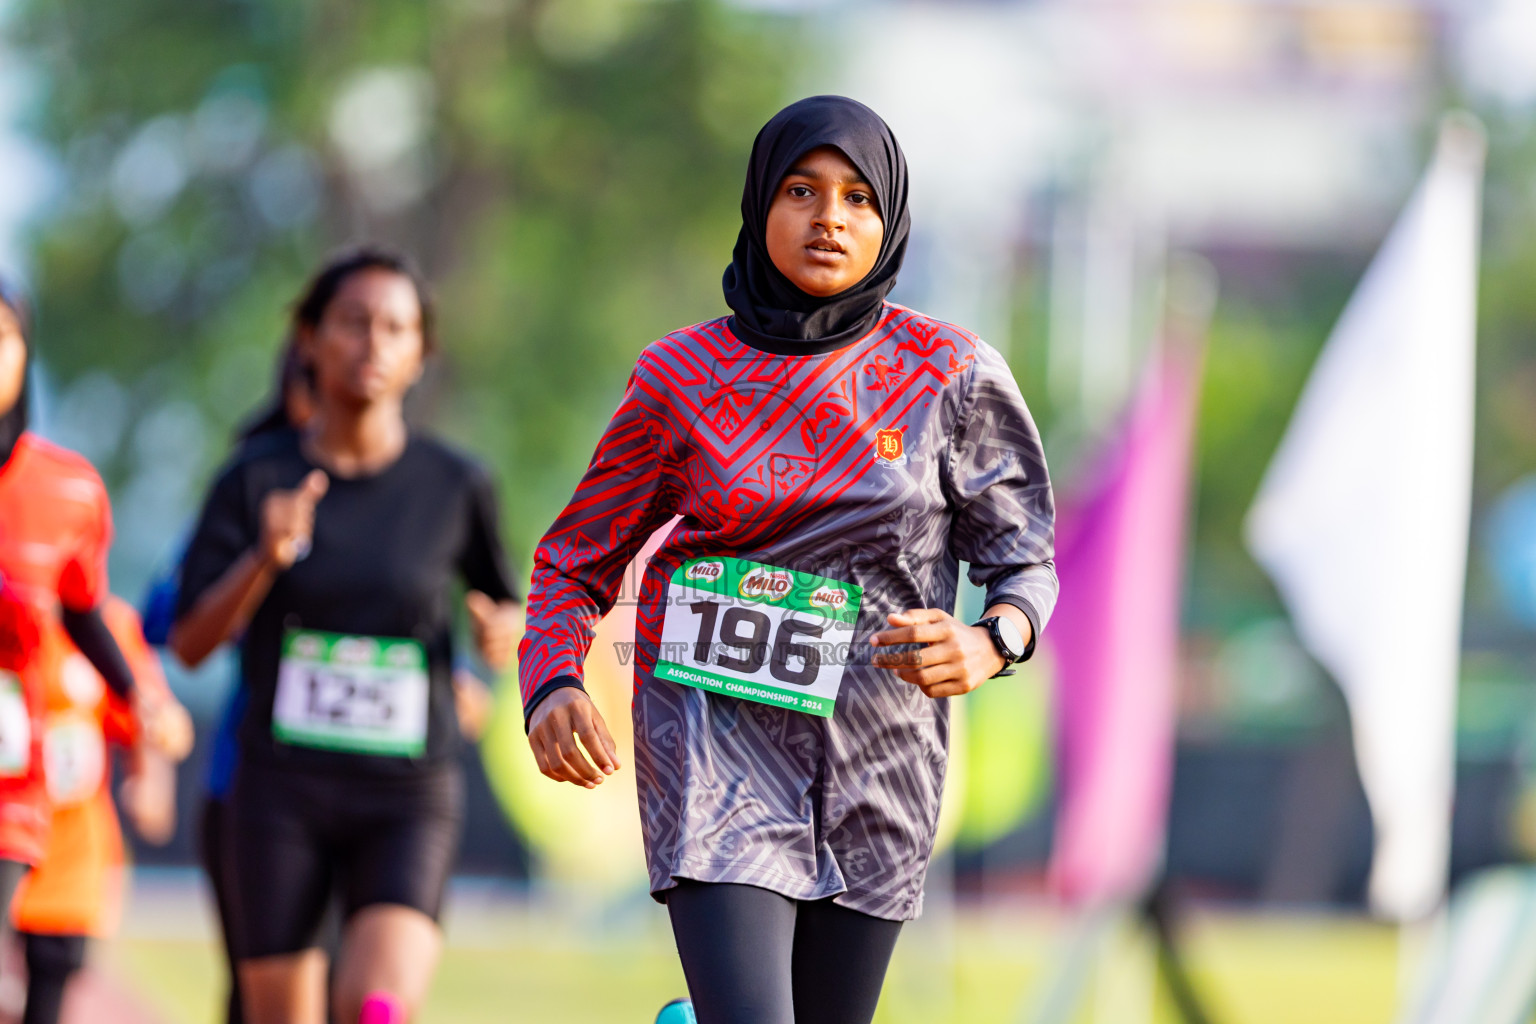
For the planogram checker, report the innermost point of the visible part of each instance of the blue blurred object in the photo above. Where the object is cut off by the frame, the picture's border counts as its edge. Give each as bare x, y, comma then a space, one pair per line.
159, 609
678, 1011
158, 614
1512, 548
226, 742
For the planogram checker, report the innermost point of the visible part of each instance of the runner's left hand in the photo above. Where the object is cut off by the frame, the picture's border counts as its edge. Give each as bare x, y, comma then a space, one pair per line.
473, 703
957, 659
149, 798
496, 626
164, 724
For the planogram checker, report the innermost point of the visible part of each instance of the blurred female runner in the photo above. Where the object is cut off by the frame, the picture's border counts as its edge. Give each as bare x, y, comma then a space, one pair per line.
289, 409
55, 529
346, 773
74, 892
833, 456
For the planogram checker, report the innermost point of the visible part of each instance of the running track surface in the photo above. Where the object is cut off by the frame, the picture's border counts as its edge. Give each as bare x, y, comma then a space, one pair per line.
95, 998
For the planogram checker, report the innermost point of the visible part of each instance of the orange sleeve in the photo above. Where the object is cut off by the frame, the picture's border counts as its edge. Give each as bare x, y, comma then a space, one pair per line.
83, 583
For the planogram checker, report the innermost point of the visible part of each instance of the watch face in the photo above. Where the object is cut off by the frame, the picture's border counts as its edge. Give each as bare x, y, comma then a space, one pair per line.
1011, 637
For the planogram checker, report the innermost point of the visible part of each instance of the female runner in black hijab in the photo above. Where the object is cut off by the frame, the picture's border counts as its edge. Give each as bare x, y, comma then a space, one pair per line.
832, 457
776, 314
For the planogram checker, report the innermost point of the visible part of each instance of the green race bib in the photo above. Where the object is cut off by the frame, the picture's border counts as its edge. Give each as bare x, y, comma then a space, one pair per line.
358, 694
758, 632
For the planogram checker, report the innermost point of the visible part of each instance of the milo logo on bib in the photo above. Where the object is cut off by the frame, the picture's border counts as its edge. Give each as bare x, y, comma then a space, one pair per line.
355, 650
758, 632
307, 645
829, 597
766, 584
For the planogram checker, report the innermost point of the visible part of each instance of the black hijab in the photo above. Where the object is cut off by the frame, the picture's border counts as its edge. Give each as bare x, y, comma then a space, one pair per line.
771, 313
14, 422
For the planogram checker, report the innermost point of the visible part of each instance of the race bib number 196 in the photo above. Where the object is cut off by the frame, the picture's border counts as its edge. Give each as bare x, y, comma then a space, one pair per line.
758, 632
360, 694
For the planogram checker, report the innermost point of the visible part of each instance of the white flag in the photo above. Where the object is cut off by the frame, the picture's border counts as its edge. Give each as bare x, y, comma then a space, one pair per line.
1362, 516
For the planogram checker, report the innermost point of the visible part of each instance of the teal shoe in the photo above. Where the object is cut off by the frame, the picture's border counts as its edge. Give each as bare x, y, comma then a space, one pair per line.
678, 1011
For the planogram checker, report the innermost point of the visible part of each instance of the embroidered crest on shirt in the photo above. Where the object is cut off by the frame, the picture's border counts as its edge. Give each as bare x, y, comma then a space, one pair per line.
888, 446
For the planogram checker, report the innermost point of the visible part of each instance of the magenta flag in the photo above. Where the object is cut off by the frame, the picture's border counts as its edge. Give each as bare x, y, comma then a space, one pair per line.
1115, 636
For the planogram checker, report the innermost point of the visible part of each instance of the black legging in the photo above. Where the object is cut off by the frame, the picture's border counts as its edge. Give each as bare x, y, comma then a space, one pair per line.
51, 961
218, 866
11, 874
215, 864
754, 957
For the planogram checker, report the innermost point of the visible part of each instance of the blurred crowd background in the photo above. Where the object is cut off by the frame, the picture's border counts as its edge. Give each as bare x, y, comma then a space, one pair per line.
568, 174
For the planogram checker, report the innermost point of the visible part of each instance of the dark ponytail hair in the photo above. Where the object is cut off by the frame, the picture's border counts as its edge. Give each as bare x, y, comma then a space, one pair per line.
13, 423
322, 288
291, 371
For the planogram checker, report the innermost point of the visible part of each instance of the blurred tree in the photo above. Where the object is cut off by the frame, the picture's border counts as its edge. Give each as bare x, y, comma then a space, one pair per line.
1506, 428
566, 171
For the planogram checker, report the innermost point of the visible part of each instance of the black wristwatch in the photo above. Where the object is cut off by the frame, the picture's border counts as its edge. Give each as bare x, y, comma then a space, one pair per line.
1007, 639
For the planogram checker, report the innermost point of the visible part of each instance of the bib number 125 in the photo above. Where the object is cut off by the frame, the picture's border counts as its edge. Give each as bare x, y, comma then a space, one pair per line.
354, 694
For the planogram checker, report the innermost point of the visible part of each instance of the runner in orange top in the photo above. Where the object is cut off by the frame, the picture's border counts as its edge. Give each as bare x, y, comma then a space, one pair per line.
55, 528
23, 804
24, 665
74, 891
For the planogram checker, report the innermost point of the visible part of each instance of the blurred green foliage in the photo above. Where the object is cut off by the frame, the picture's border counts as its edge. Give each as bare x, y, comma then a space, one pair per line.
1506, 425
567, 172
1269, 326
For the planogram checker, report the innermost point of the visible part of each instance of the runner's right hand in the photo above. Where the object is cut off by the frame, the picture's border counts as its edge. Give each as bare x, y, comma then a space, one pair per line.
288, 520
559, 719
